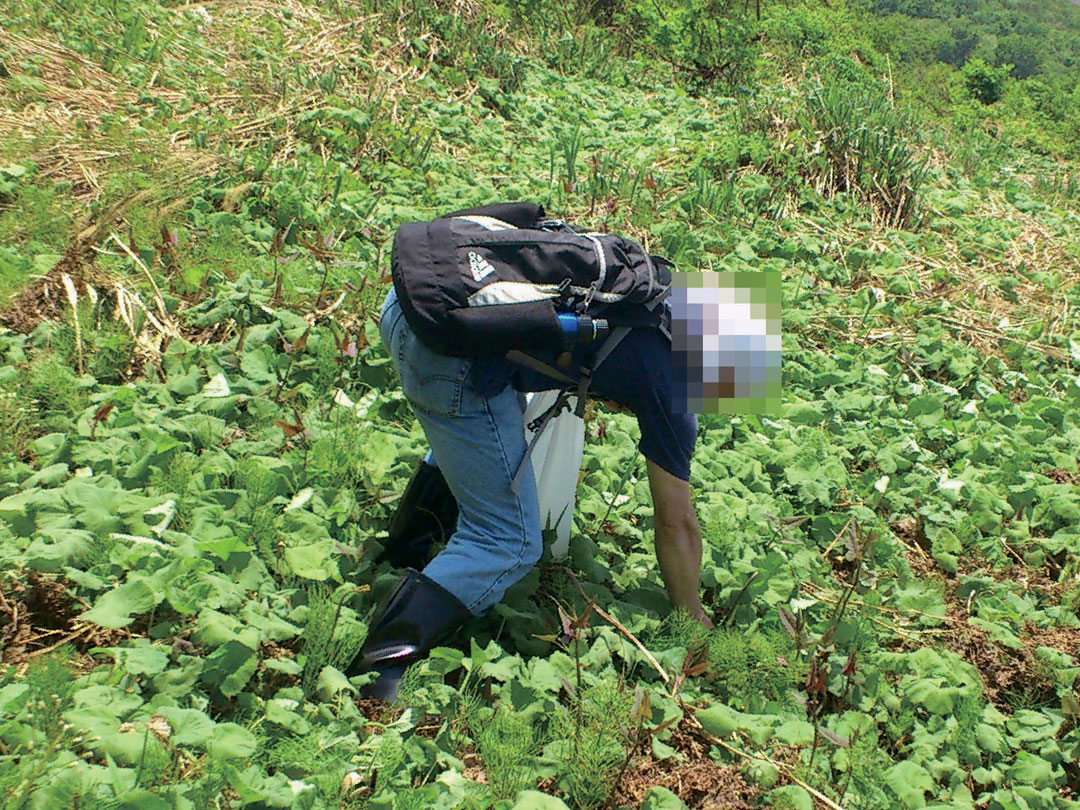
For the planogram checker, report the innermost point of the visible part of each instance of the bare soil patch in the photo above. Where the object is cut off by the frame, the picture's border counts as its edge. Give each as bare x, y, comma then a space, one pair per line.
1006, 672
42, 300
1008, 675
692, 775
38, 615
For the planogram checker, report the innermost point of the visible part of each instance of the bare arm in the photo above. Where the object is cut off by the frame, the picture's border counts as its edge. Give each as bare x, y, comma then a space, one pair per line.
678, 540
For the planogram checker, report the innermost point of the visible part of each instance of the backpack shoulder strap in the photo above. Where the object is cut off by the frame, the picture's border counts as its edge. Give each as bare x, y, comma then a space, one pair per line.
544, 420
583, 383
617, 334
548, 370
518, 356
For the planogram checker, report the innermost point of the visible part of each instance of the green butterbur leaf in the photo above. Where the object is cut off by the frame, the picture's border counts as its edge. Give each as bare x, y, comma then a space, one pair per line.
719, 720
534, 800
309, 562
795, 732
231, 741
118, 607
660, 798
797, 798
910, 782
189, 726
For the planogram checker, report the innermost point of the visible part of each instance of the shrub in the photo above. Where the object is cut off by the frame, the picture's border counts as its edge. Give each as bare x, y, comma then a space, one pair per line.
714, 40
984, 82
1016, 51
868, 149
958, 47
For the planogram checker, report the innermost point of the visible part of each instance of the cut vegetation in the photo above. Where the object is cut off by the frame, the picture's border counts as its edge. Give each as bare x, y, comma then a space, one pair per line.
201, 438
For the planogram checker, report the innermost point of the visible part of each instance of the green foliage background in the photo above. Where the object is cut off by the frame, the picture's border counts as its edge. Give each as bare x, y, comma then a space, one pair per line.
199, 457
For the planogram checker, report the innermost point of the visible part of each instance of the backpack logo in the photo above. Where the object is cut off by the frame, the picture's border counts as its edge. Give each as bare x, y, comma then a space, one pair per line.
481, 267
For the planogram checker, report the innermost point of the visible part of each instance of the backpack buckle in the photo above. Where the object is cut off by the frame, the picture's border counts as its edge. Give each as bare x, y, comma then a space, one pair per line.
565, 298
589, 296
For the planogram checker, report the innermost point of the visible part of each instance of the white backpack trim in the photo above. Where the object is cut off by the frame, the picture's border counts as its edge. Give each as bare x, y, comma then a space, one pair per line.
512, 292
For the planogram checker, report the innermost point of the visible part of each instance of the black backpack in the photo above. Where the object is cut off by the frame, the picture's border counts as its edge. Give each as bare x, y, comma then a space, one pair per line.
504, 280
495, 279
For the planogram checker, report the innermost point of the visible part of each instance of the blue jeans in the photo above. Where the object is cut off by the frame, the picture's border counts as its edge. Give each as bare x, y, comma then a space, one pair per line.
478, 443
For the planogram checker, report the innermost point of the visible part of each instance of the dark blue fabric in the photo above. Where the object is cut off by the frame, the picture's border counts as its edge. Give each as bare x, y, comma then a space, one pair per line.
637, 374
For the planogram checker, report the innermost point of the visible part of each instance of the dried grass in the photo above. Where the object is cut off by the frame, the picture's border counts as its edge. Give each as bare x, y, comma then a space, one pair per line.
992, 319
317, 44
978, 313
38, 615
62, 124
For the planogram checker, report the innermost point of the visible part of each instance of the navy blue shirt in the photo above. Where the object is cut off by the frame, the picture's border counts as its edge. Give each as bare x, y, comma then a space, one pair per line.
637, 374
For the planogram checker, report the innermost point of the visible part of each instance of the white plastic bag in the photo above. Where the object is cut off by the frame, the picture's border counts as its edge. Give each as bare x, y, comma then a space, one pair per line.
556, 461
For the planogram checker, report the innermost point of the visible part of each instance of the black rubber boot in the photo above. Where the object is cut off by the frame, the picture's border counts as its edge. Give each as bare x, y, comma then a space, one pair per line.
427, 513
418, 614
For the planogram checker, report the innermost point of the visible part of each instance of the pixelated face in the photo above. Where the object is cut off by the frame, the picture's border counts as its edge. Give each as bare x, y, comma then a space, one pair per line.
725, 335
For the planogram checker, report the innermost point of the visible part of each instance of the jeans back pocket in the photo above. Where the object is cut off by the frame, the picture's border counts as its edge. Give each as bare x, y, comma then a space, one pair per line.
432, 382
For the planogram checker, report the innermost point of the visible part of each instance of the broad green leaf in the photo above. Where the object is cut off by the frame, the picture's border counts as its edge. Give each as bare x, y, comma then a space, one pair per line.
277, 790
503, 668
119, 703
53, 550
719, 720
137, 660
216, 628
661, 750
796, 797
542, 675
186, 383
286, 666
179, 679
1031, 770
989, 738
20, 510
118, 607
934, 694
12, 696
143, 799
926, 410
309, 562
795, 732
270, 625
50, 476
231, 741
189, 726
535, 800
331, 682
282, 712
106, 737
230, 667
910, 782
660, 798
803, 413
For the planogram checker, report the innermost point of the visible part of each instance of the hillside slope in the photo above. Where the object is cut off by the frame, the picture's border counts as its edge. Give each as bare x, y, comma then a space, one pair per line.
203, 439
